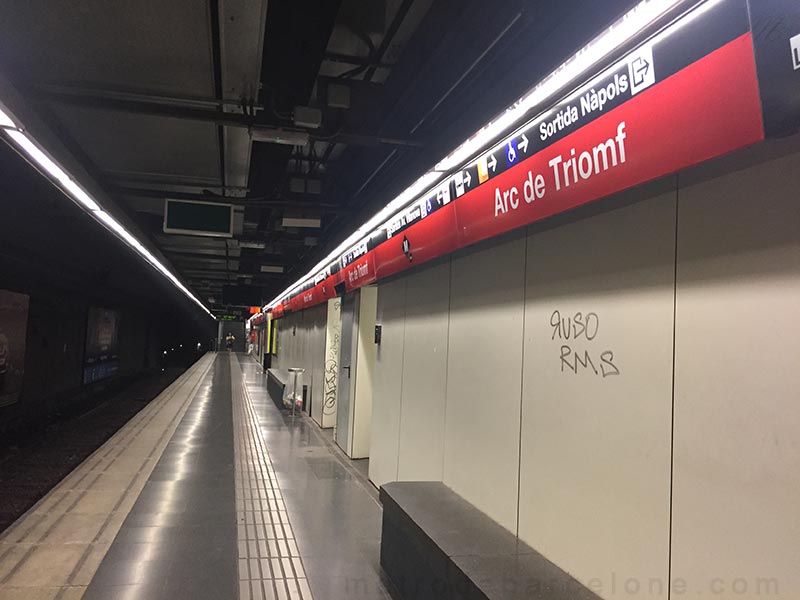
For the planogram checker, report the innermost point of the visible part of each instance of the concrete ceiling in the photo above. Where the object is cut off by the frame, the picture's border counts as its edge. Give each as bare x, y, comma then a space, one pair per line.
157, 99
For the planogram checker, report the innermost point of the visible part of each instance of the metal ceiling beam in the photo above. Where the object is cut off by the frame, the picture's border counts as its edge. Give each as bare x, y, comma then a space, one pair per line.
303, 158
149, 107
198, 255
59, 93
206, 285
398, 19
259, 201
368, 139
261, 258
190, 271
361, 61
156, 180
219, 117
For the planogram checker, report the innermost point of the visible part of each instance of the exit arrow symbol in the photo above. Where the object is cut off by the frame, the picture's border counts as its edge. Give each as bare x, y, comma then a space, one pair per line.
640, 69
523, 145
492, 163
467, 178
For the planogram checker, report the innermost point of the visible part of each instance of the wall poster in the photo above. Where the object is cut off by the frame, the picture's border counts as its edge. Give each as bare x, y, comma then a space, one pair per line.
101, 359
13, 332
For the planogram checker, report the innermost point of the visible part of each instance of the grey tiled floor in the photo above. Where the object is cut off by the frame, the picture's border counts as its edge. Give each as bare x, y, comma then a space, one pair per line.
180, 538
332, 507
53, 551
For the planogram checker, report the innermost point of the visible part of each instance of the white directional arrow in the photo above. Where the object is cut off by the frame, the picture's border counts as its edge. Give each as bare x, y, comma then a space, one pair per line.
523, 145
467, 178
640, 69
492, 163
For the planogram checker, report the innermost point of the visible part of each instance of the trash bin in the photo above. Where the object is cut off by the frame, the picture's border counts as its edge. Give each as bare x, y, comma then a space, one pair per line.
293, 392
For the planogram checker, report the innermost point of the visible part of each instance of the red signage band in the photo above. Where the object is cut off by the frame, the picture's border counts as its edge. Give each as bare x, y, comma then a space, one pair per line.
708, 109
328, 287
360, 272
433, 236
296, 303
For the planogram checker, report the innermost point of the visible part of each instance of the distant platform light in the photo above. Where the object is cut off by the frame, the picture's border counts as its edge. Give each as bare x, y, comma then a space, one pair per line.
271, 269
279, 136
301, 222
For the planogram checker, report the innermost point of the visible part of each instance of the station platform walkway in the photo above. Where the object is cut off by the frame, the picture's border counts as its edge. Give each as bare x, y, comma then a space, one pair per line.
210, 492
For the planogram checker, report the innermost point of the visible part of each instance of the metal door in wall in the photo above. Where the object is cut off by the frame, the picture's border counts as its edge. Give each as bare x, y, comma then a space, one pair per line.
347, 362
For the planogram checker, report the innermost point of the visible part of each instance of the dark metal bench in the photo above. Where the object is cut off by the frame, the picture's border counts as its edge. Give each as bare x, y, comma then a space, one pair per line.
437, 545
276, 384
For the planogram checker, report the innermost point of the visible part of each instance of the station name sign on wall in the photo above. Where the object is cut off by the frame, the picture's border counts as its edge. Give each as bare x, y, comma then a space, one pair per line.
722, 77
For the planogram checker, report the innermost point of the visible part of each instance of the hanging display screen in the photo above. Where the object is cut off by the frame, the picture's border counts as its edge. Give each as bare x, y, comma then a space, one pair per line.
198, 218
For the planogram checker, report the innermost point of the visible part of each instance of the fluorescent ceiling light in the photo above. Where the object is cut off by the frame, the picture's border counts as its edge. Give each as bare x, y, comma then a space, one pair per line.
416, 188
279, 136
600, 47
613, 38
70, 187
67, 184
38, 156
80, 195
6, 122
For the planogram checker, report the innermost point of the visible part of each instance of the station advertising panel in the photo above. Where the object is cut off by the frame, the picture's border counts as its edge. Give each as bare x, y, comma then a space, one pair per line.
101, 358
723, 76
13, 334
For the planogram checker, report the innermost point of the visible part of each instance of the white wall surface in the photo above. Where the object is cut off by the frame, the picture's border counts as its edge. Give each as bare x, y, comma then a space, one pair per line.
388, 383
301, 343
737, 384
410, 377
484, 377
421, 450
696, 289
361, 414
316, 358
595, 470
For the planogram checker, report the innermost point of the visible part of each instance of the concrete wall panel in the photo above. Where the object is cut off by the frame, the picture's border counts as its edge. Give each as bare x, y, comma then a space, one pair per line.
597, 394
421, 456
484, 369
736, 522
388, 382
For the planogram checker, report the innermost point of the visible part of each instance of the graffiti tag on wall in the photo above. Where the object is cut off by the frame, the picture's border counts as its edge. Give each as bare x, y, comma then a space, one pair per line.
331, 381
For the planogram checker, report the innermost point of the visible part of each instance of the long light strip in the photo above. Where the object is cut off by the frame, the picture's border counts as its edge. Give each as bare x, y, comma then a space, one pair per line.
52, 169
5, 121
621, 32
422, 184
73, 190
685, 20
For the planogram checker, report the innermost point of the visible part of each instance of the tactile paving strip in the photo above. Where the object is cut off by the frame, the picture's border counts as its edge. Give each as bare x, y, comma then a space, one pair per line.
270, 566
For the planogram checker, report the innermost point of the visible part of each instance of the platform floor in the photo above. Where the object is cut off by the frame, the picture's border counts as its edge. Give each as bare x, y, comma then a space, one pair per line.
210, 492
